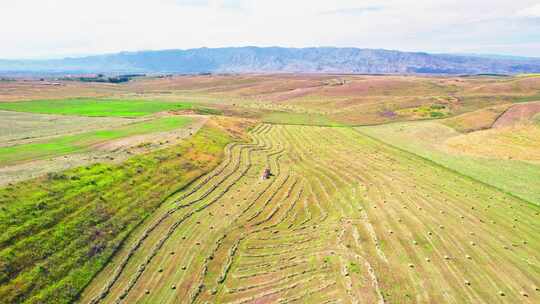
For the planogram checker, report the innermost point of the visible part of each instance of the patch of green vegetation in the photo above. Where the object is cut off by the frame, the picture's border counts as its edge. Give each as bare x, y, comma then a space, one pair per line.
528, 75
436, 114
536, 119
354, 268
427, 111
84, 141
58, 231
95, 107
208, 111
432, 111
526, 98
309, 119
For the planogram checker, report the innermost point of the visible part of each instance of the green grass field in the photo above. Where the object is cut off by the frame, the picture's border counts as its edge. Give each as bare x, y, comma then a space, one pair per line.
83, 142
95, 107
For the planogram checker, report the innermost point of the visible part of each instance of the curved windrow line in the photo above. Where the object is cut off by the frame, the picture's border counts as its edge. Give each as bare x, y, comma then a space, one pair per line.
208, 177
173, 228
240, 224
278, 154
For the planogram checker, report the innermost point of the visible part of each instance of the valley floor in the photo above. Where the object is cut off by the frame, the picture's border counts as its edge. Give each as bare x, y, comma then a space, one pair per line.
343, 219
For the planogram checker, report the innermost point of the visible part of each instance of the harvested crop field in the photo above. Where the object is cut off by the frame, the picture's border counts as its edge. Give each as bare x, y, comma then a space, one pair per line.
342, 218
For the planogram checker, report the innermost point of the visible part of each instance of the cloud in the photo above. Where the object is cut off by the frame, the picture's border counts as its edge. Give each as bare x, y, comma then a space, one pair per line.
53, 28
354, 11
225, 4
533, 11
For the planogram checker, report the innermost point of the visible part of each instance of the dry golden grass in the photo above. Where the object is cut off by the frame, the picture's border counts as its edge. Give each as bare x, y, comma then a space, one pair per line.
518, 143
477, 120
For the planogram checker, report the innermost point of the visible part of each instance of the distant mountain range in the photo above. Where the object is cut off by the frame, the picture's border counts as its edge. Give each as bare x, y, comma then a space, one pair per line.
278, 60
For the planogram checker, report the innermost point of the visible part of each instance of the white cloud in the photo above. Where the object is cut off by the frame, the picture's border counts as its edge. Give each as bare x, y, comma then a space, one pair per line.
44, 28
533, 11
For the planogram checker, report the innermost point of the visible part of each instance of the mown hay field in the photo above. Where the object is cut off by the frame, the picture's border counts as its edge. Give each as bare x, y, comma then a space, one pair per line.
344, 219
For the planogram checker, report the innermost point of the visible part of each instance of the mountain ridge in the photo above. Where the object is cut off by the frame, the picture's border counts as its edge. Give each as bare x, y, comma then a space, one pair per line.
277, 60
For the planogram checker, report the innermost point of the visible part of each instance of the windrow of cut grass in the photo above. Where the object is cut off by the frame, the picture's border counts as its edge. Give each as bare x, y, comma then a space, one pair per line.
96, 107
58, 231
343, 218
85, 141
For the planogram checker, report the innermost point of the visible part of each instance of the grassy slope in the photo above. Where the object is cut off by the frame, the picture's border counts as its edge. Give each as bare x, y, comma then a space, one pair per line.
514, 176
95, 107
59, 231
84, 141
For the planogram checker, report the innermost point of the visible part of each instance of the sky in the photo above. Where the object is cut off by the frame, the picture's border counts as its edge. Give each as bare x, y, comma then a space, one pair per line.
59, 28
